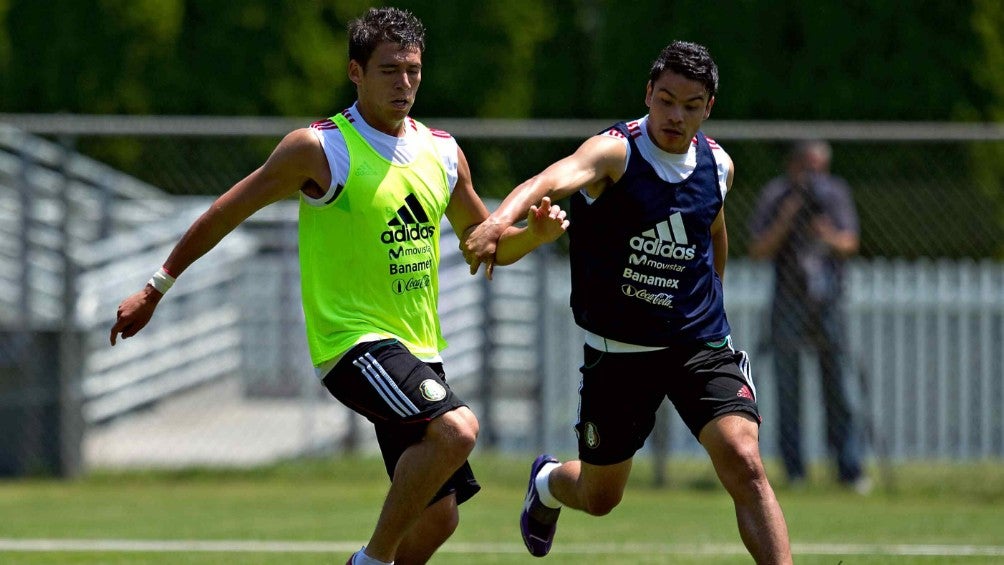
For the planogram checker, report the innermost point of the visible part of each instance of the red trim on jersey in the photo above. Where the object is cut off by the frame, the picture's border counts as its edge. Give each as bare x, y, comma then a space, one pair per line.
412, 124
324, 124
440, 133
348, 115
634, 129
614, 132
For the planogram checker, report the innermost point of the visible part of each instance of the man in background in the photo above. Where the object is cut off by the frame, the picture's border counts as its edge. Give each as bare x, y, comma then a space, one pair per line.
805, 222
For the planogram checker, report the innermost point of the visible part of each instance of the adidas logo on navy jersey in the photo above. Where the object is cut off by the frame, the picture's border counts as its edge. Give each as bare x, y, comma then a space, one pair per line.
667, 239
409, 223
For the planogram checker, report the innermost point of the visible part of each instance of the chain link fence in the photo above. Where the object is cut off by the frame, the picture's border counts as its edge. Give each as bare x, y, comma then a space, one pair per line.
923, 312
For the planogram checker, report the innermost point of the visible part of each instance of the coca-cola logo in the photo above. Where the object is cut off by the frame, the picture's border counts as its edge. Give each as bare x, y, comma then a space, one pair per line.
402, 286
656, 299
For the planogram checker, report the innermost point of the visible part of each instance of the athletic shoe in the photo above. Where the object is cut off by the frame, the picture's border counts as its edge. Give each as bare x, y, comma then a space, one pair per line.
537, 522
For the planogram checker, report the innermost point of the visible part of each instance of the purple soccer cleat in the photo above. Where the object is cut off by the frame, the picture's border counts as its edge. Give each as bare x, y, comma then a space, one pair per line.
537, 523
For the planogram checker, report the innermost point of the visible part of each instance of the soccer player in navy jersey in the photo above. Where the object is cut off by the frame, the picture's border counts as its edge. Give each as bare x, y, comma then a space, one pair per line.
648, 246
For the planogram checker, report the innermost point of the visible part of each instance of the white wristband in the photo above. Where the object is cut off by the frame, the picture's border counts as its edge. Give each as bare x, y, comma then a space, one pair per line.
161, 281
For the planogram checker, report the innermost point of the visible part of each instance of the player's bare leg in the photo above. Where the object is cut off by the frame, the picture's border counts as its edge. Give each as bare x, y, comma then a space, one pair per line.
732, 441
436, 525
594, 489
420, 472
590, 488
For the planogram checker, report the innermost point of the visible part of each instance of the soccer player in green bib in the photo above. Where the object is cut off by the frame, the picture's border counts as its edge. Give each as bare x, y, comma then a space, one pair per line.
373, 185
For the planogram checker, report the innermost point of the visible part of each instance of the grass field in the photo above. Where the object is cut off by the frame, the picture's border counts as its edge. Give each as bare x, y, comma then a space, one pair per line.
320, 511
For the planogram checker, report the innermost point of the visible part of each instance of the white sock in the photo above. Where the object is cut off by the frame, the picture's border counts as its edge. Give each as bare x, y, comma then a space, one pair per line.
544, 489
360, 558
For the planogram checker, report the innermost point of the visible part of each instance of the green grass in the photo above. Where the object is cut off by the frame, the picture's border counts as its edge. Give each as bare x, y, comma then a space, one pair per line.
337, 501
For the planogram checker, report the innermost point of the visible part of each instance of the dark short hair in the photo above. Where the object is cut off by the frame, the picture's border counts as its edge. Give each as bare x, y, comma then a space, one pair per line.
803, 147
381, 25
690, 60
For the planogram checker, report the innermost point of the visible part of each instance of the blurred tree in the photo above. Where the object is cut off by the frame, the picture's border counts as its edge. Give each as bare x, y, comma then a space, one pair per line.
5, 51
258, 57
86, 56
830, 59
988, 25
855, 60
173, 57
988, 161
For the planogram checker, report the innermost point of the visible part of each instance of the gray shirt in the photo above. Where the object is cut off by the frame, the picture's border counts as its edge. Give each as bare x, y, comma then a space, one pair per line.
806, 269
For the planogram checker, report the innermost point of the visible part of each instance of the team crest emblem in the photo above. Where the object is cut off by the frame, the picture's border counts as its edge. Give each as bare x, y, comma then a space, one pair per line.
592, 436
432, 390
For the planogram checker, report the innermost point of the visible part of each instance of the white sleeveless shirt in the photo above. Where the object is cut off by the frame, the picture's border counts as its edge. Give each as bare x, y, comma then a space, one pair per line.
398, 150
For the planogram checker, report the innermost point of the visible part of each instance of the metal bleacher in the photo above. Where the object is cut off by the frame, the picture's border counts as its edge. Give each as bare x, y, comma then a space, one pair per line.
76, 237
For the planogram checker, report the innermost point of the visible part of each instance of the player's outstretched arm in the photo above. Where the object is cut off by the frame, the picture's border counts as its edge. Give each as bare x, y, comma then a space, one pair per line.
594, 165
545, 223
295, 162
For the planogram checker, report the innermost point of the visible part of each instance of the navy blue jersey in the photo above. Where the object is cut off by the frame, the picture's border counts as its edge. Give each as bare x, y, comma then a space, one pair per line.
641, 256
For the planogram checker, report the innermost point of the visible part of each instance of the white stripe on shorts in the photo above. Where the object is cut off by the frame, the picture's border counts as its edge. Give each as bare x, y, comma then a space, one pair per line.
747, 371
385, 386
744, 365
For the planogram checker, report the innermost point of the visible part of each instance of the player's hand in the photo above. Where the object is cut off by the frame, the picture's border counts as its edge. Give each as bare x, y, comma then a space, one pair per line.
546, 222
134, 313
479, 247
825, 230
790, 207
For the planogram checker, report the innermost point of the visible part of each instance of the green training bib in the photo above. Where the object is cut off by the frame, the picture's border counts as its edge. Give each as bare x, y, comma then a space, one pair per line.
369, 259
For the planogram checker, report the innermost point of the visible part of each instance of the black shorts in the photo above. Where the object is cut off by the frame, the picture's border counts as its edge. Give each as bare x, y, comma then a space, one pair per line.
620, 393
400, 394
